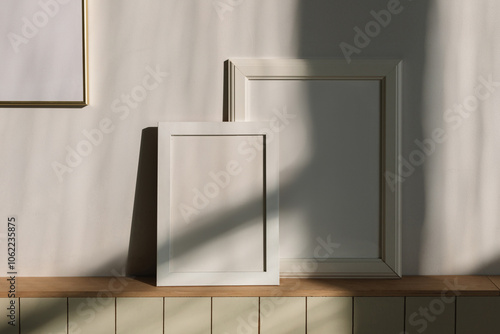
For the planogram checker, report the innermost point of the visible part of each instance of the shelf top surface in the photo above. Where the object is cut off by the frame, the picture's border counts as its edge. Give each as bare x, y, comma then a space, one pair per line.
44, 287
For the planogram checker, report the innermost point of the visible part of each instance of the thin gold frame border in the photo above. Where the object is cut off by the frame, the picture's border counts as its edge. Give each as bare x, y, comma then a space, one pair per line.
64, 104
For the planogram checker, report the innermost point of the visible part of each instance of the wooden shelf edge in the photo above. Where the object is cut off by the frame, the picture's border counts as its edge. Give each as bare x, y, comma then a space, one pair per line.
101, 287
495, 280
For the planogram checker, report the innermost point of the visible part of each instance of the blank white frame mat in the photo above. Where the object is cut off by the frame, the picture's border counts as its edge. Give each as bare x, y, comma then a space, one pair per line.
218, 221
243, 79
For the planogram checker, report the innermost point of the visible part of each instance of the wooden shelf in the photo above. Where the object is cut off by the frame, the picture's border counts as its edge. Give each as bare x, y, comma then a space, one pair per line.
40, 287
496, 281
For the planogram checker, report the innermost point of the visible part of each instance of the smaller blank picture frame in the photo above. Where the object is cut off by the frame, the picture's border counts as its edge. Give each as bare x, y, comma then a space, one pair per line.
218, 221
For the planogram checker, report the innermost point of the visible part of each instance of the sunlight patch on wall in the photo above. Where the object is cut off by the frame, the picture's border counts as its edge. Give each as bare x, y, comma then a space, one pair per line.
462, 90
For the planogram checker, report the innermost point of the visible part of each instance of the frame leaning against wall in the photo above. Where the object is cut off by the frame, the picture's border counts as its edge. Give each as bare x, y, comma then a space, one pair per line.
388, 72
166, 274
56, 102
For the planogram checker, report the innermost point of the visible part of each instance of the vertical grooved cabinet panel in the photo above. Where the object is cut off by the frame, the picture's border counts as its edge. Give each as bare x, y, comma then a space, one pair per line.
44, 315
282, 315
139, 315
11, 310
329, 315
231, 315
91, 315
432, 315
379, 315
478, 315
188, 315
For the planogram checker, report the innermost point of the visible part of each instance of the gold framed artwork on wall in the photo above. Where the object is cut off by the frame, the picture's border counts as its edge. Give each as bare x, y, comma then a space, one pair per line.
44, 59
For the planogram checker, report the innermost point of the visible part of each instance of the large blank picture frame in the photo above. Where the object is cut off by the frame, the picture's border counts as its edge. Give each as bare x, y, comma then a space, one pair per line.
44, 54
218, 220
385, 75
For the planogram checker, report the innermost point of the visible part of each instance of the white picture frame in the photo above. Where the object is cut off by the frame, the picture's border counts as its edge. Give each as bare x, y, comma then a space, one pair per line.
173, 156
45, 54
240, 72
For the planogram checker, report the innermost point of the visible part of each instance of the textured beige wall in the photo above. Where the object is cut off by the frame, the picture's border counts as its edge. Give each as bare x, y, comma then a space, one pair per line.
159, 60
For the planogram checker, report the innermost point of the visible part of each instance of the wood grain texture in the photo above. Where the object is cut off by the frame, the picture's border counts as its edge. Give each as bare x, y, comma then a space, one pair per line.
9, 309
329, 315
188, 315
235, 315
378, 315
80, 287
478, 315
44, 315
432, 315
282, 315
139, 316
495, 280
91, 315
